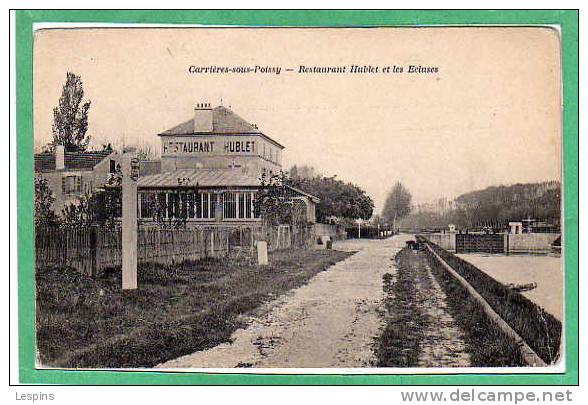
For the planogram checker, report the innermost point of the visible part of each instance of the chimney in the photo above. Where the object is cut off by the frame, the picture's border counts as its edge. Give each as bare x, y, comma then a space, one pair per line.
59, 157
203, 118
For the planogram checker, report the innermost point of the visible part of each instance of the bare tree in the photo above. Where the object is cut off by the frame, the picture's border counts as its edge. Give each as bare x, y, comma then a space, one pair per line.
397, 203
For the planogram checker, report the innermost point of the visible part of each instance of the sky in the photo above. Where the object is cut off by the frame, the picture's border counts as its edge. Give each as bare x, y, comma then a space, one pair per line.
490, 115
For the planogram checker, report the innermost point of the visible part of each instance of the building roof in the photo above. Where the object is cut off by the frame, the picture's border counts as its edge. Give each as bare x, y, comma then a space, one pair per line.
313, 198
84, 161
224, 122
149, 167
200, 177
190, 178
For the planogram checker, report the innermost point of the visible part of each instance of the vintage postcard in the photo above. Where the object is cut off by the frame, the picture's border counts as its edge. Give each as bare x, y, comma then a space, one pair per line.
382, 200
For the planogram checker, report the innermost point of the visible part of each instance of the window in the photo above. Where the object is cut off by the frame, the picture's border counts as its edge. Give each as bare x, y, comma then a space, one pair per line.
242, 206
205, 204
216, 205
147, 205
112, 166
190, 204
197, 205
161, 204
230, 205
209, 204
245, 205
71, 184
170, 206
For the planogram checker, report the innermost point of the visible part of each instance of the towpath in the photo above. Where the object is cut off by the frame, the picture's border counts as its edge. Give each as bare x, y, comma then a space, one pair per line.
330, 322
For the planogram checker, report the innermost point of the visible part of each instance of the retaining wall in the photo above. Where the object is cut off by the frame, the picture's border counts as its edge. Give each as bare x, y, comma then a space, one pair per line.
445, 240
531, 242
494, 243
335, 232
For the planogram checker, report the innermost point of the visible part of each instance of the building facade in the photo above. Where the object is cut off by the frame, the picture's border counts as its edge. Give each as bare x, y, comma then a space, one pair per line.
217, 138
70, 175
211, 170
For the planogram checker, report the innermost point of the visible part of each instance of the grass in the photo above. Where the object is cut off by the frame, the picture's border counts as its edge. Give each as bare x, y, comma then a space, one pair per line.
89, 322
487, 345
405, 321
538, 328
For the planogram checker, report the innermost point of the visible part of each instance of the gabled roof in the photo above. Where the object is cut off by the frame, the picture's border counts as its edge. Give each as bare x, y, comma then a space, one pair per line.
224, 122
200, 177
313, 198
84, 161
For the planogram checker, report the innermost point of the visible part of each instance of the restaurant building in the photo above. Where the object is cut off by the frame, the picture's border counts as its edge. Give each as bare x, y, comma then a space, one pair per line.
211, 170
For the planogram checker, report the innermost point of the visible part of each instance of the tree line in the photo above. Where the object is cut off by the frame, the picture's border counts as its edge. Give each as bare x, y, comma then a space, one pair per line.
495, 207
338, 198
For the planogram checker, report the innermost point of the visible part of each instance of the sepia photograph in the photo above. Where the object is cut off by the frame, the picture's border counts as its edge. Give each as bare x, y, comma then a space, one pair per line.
311, 200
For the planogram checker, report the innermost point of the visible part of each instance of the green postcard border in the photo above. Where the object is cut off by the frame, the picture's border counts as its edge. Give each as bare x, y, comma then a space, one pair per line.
567, 20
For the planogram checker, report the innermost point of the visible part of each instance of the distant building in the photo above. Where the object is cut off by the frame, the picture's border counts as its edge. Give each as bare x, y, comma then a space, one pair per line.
70, 175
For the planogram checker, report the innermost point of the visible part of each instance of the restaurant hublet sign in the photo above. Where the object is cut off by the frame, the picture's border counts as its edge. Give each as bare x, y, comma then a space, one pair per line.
211, 146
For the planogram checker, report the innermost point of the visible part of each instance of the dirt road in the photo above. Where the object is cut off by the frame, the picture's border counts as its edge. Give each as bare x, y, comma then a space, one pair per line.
330, 322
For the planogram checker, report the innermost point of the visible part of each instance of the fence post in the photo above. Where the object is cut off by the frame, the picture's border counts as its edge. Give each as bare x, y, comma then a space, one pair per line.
212, 243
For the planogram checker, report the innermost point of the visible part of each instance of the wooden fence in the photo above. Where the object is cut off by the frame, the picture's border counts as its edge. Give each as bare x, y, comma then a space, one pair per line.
91, 250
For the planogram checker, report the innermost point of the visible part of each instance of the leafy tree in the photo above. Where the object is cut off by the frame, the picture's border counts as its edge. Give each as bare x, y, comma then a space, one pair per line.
81, 214
302, 172
44, 199
377, 220
272, 201
101, 207
397, 204
70, 117
338, 199
173, 212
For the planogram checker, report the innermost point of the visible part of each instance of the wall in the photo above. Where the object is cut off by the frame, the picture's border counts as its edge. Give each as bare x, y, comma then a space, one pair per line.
335, 232
531, 242
483, 243
444, 240
54, 181
497, 243
178, 152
